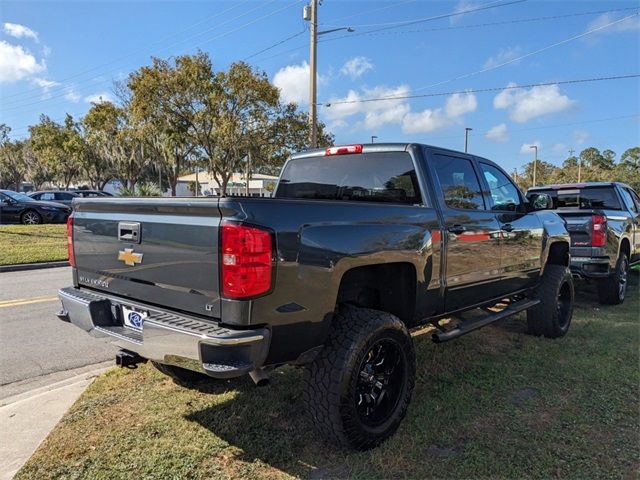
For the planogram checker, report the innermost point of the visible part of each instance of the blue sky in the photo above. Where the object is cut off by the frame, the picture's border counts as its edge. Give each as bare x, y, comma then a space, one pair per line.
57, 57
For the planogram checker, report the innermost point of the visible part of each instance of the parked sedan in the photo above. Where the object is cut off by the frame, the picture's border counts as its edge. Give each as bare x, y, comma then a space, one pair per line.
58, 196
20, 208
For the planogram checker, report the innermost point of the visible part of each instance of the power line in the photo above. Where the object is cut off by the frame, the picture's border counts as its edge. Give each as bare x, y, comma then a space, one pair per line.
366, 12
412, 22
130, 54
65, 89
438, 17
482, 90
291, 37
375, 32
507, 62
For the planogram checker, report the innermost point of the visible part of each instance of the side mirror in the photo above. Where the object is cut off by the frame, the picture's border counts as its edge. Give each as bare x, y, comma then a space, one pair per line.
541, 201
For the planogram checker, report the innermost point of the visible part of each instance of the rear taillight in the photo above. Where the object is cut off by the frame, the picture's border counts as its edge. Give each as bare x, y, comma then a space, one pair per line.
72, 260
246, 255
343, 150
598, 230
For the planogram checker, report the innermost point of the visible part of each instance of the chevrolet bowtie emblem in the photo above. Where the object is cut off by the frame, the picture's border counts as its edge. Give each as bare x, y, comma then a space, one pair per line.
129, 257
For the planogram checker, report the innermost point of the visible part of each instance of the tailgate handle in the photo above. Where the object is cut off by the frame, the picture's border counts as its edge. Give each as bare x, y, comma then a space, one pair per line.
129, 232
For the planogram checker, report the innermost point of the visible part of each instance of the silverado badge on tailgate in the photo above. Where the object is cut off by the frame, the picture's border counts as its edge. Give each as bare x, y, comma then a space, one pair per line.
129, 257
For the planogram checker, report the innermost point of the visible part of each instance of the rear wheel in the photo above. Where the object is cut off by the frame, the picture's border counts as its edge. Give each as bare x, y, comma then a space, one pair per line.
31, 217
612, 290
552, 316
360, 384
181, 375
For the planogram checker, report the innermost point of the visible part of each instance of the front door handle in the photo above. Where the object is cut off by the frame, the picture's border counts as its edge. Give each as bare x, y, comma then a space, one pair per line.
456, 229
507, 227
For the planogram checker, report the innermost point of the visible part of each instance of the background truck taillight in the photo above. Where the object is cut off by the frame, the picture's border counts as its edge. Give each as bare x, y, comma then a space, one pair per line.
598, 230
72, 260
245, 261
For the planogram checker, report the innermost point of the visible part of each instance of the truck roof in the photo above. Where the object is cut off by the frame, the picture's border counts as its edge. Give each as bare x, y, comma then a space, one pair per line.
558, 186
378, 147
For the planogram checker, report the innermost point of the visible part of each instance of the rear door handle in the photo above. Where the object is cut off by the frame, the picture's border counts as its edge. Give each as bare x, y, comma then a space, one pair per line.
507, 227
456, 229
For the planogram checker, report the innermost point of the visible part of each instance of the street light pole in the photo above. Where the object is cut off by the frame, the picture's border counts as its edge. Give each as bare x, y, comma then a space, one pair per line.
313, 67
535, 163
466, 138
373, 138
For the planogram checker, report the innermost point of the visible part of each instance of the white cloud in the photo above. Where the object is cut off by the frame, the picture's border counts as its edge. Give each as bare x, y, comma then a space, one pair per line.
504, 55
580, 136
460, 103
428, 120
397, 111
293, 82
17, 63
356, 67
45, 85
526, 149
628, 25
498, 133
524, 105
19, 31
462, 6
99, 97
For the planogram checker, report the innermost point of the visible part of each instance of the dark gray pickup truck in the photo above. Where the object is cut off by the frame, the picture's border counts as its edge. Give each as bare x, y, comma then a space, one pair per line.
603, 219
360, 244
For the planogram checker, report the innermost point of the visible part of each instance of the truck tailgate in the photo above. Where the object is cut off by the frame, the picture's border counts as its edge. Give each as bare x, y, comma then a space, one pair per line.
578, 225
161, 251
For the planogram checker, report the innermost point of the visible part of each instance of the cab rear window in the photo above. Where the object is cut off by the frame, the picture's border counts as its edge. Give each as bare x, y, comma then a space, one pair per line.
585, 198
385, 177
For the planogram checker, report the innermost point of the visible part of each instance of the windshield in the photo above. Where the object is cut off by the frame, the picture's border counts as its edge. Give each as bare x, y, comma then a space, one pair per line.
18, 197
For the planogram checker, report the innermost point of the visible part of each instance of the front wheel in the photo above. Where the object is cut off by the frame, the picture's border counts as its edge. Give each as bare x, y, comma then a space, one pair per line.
612, 290
31, 217
360, 384
552, 316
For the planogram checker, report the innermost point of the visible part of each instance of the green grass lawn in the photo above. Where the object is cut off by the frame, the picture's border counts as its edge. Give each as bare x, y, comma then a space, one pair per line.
494, 404
32, 243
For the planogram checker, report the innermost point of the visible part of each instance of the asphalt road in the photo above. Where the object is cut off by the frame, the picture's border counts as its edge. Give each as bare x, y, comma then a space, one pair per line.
33, 342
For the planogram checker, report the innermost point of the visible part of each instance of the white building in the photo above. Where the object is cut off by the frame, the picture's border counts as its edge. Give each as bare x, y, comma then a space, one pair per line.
259, 185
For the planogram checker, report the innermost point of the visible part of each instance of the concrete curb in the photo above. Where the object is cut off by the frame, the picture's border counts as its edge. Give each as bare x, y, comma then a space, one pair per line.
33, 266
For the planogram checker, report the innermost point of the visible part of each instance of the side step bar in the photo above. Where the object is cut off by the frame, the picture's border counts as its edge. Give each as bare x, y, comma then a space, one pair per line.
471, 325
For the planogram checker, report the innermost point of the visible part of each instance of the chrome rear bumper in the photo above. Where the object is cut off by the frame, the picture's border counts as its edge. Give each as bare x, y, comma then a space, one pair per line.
167, 337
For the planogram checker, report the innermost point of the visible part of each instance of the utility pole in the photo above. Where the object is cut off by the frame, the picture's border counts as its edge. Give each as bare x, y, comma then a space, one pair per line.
535, 163
466, 138
313, 67
579, 164
197, 183
310, 14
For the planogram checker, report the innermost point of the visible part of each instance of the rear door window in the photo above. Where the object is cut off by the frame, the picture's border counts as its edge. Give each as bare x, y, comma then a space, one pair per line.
64, 196
385, 177
459, 182
48, 196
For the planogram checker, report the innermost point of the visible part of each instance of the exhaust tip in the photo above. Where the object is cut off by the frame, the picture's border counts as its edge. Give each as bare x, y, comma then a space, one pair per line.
259, 377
